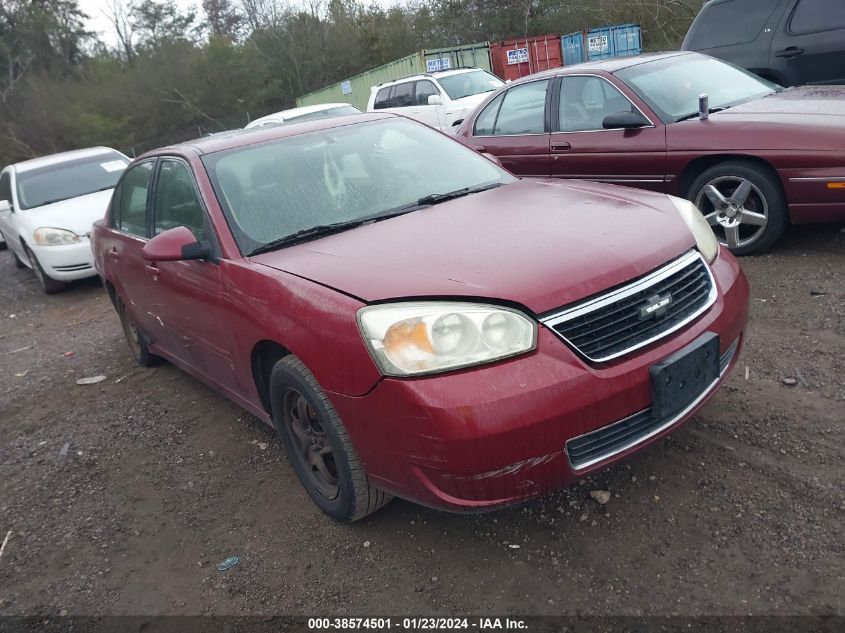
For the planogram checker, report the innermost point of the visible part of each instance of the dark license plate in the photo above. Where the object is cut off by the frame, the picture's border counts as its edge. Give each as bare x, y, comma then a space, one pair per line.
680, 378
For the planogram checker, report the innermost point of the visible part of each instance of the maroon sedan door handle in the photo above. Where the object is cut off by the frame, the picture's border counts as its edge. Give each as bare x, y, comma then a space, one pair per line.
479, 148
153, 270
561, 147
114, 254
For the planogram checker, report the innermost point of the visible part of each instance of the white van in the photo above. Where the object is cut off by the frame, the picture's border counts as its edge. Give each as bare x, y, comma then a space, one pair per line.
440, 99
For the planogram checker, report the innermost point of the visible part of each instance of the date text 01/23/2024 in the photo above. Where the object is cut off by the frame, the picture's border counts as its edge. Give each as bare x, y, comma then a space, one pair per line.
416, 624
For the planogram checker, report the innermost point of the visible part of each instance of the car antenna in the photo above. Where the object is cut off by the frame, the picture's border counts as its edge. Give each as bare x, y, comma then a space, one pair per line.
703, 106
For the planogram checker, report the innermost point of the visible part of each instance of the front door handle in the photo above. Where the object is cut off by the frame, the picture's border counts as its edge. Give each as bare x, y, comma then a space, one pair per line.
561, 147
152, 270
113, 253
479, 148
790, 51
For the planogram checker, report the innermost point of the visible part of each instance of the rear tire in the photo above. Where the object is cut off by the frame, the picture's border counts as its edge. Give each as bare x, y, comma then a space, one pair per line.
48, 284
134, 338
318, 446
744, 203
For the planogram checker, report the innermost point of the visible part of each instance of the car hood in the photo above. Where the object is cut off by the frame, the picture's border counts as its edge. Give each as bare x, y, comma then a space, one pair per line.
469, 102
75, 214
541, 244
801, 101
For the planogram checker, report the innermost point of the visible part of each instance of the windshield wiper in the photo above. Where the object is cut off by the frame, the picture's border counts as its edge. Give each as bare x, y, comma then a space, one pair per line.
54, 201
436, 198
328, 229
695, 114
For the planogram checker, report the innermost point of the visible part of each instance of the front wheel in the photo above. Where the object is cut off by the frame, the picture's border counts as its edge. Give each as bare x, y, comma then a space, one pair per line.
318, 445
48, 284
743, 203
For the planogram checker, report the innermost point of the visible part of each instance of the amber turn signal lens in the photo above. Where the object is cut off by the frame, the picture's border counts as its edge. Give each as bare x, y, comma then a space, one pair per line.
836, 185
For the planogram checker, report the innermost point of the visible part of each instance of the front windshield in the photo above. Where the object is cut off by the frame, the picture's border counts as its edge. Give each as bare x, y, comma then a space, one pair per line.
272, 190
672, 86
69, 179
471, 83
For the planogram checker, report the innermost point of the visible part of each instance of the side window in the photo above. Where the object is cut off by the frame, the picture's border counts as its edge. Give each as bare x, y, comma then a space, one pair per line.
130, 215
403, 95
523, 109
6, 186
731, 22
585, 101
486, 121
814, 16
425, 89
382, 99
176, 200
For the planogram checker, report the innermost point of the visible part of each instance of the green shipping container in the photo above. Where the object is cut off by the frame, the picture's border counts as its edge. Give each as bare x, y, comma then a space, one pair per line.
356, 90
467, 55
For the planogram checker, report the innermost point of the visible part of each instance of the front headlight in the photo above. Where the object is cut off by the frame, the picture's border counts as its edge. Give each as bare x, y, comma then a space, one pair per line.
705, 240
46, 236
409, 339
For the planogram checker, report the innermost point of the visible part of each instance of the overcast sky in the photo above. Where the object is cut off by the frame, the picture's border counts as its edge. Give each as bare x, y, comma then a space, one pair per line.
97, 10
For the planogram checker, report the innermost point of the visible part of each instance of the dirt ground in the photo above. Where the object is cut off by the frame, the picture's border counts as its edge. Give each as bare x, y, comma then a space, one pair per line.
122, 497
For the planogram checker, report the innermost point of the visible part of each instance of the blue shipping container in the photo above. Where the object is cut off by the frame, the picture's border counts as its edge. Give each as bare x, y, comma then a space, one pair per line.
601, 43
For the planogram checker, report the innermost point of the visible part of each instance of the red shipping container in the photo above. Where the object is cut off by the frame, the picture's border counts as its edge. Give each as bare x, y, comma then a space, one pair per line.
517, 58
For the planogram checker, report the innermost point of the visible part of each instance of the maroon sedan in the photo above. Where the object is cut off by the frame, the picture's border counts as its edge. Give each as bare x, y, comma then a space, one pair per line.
756, 159
414, 320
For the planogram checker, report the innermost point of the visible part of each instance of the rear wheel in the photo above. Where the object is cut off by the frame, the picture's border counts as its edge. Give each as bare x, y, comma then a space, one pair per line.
318, 445
48, 284
134, 338
743, 203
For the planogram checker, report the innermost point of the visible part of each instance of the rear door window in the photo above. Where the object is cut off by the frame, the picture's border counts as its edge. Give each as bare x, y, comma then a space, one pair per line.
403, 95
523, 110
130, 197
815, 16
731, 22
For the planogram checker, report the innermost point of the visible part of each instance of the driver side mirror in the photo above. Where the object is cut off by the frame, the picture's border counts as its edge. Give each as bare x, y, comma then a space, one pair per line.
5, 206
175, 245
435, 100
624, 121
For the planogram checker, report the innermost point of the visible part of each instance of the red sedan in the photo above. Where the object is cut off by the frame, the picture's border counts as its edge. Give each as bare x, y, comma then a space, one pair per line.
755, 159
413, 319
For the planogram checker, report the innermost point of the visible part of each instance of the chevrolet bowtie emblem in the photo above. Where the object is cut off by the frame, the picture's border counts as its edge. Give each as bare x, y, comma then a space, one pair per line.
655, 306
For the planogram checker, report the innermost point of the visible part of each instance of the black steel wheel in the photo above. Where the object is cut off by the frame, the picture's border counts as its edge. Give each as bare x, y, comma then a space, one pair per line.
318, 445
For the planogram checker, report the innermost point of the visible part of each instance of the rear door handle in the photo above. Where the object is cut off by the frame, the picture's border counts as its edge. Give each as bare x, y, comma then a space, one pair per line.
790, 51
153, 270
561, 147
114, 254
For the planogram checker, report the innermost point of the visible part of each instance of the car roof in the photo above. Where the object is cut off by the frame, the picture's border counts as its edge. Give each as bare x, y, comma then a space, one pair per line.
437, 74
605, 65
309, 109
263, 134
62, 157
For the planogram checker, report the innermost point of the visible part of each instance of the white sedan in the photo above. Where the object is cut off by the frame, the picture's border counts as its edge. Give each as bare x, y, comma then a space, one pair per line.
48, 206
305, 113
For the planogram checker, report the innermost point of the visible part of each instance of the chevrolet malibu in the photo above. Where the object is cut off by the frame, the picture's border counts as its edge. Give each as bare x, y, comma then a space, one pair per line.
412, 319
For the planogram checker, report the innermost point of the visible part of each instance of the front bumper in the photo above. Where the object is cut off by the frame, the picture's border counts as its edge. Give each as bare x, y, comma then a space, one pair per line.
497, 434
66, 262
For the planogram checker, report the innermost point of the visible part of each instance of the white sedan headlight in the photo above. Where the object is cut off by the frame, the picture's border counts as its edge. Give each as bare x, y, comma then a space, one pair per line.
46, 236
705, 240
409, 339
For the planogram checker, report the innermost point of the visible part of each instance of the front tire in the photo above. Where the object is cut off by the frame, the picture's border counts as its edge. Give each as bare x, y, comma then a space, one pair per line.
318, 446
48, 284
744, 204
18, 261
134, 338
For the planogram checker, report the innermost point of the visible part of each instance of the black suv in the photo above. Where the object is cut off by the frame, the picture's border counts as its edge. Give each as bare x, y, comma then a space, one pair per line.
791, 42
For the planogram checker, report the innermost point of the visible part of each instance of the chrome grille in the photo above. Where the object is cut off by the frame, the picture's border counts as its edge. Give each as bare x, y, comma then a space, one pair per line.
617, 322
